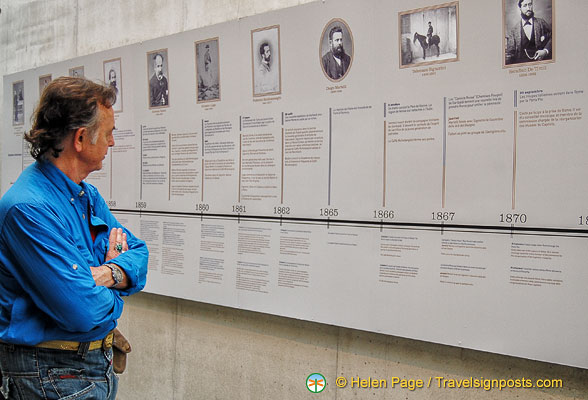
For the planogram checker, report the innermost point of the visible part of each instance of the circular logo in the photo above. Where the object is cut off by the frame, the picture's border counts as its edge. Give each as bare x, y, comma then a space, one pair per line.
316, 383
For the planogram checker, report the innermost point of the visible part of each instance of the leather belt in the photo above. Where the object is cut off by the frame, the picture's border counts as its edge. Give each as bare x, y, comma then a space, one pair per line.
74, 346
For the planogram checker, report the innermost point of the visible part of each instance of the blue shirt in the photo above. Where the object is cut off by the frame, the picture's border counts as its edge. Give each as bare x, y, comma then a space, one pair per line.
46, 250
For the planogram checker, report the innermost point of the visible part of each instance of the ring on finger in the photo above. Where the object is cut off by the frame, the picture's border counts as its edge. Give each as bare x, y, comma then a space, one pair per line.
118, 247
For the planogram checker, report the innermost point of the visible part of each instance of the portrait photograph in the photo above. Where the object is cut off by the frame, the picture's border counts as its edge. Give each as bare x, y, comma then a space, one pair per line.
207, 70
429, 35
265, 61
528, 32
336, 50
158, 78
44, 80
18, 103
76, 71
113, 77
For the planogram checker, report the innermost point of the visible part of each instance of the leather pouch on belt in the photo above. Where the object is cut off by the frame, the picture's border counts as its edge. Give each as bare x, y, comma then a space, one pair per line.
120, 348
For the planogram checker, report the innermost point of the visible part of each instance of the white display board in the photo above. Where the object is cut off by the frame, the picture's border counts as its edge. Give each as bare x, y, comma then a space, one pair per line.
424, 186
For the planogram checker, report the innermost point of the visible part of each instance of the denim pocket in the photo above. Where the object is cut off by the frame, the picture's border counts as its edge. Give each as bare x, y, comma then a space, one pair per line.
70, 383
4, 387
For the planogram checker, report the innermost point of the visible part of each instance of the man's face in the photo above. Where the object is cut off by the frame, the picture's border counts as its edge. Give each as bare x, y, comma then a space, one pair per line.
112, 78
527, 8
337, 43
267, 54
93, 153
158, 67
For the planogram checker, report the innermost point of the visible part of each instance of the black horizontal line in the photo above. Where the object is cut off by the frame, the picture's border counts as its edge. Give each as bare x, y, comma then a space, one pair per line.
378, 223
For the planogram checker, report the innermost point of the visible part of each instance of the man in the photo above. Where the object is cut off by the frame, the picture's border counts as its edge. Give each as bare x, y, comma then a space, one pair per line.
15, 107
266, 79
530, 39
429, 34
65, 261
159, 93
336, 61
207, 57
117, 105
265, 57
112, 80
207, 83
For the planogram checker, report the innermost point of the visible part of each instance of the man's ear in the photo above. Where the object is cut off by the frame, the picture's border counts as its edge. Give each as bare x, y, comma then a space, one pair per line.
78, 138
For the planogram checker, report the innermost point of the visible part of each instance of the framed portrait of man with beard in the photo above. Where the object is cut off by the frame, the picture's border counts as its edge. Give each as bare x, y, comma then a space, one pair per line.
528, 28
265, 61
113, 77
336, 50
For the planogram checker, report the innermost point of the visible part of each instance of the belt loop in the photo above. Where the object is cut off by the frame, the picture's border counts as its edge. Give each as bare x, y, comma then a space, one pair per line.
83, 349
9, 347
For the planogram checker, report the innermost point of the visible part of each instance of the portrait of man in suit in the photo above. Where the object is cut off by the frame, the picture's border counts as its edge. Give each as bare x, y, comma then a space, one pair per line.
528, 37
157, 64
113, 77
265, 56
336, 50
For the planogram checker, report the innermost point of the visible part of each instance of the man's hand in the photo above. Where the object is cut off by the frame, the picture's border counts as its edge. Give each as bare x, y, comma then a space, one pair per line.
116, 241
540, 54
103, 275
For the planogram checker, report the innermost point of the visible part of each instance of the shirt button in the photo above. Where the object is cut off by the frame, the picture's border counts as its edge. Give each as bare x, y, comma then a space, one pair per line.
75, 266
72, 200
84, 216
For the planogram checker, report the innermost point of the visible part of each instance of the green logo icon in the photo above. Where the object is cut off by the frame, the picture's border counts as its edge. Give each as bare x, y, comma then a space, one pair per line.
316, 383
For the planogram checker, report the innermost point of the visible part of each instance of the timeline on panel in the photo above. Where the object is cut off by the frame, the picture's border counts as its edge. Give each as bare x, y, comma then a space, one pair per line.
384, 168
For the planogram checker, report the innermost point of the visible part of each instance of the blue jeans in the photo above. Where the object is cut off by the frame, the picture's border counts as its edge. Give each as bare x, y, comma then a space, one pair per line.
35, 373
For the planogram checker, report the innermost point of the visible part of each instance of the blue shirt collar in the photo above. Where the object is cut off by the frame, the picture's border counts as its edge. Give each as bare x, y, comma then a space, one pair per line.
61, 181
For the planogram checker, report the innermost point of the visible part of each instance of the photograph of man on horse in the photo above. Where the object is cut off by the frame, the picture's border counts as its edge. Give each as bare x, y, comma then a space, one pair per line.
429, 34
428, 41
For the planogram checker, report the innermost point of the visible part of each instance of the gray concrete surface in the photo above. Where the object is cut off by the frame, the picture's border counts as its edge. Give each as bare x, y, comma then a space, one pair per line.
189, 350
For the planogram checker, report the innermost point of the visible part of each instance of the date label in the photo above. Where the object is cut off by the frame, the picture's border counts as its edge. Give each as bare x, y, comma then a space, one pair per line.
202, 207
329, 212
442, 216
281, 210
238, 208
384, 214
513, 218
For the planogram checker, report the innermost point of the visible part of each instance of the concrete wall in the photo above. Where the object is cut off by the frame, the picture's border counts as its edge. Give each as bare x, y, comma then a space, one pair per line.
189, 350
